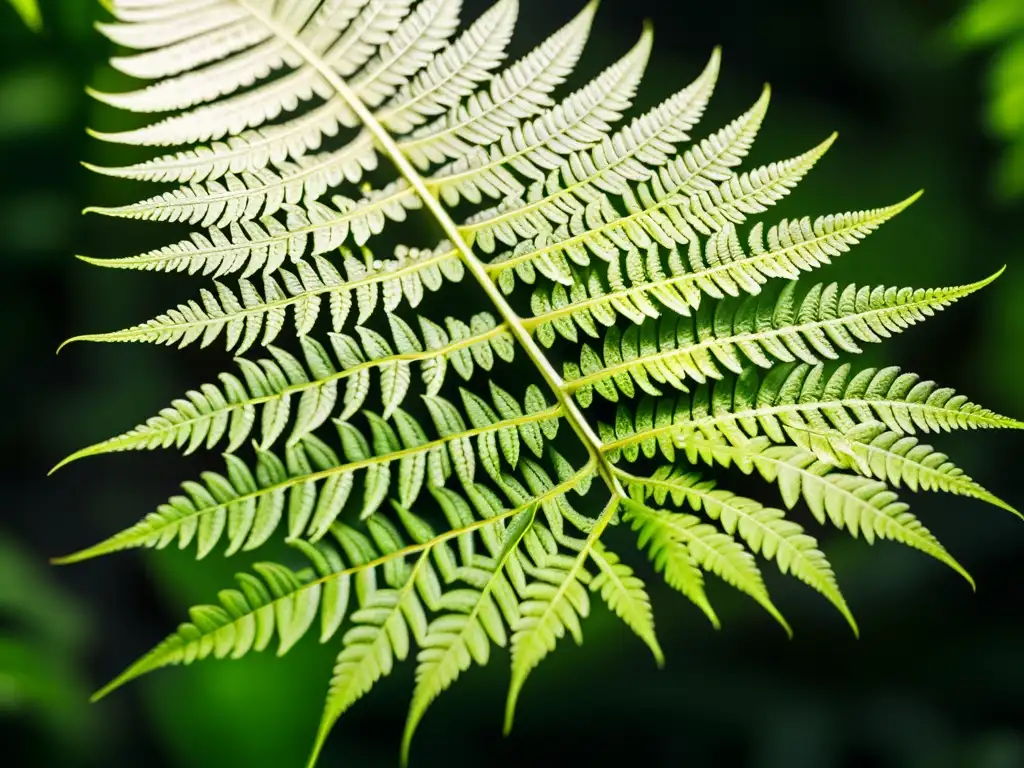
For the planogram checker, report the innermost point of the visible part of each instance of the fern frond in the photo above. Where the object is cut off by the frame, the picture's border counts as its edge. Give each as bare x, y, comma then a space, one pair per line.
315, 484
522, 90
286, 602
860, 505
366, 287
412, 37
275, 116
194, 52
469, 618
904, 460
709, 548
554, 603
276, 600
204, 417
655, 208
455, 639
741, 407
261, 192
551, 606
764, 530
874, 451
574, 124
626, 596
631, 154
533, 148
828, 319
385, 622
642, 283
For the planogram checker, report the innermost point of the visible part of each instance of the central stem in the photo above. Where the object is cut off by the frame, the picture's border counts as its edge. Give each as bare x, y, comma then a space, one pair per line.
388, 145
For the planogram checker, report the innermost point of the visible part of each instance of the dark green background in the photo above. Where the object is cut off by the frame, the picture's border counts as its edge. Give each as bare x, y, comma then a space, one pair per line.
937, 678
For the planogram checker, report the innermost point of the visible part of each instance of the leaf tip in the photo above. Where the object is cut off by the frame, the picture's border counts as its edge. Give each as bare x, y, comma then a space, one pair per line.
510, 703
65, 461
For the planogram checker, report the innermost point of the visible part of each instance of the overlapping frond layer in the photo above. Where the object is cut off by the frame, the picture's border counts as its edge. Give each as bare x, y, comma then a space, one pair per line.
764, 530
643, 282
275, 125
313, 483
655, 206
631, 154
319, 387
665, 532
857, 504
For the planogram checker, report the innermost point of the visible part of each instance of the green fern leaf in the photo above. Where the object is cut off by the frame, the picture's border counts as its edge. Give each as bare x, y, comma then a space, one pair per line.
271, 120
314, 483
636, 287
204, 417
384, 622
626, 596
762, 330
903, 460
455, 639
763, 530
276, 600
709, 548
740, 407
858, 504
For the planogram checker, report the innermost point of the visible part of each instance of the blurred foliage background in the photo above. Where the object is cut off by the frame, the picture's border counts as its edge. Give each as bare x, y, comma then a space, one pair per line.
925, 93
999, 24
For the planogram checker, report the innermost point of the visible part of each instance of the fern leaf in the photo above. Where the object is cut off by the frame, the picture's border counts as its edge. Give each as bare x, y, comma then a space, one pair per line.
533, 148
276, 600
248, 507
273, 117
204, 417
384, 621
626, 596
521, 90
193, 52
552, 606
455, 639
515, 93
574, 124
412, 38
859, 504
408, 277
656, 209
248, 191
764, 530
709, 548
645, 282
826, 320
740, 407
631, 154
904, 460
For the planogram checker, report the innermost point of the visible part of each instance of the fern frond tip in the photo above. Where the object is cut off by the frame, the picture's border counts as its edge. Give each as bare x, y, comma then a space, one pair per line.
955, 565
72, 340
70, 458
109, 99
101, 135
318, 745
510, 704
90, 553
904, 204
101, 169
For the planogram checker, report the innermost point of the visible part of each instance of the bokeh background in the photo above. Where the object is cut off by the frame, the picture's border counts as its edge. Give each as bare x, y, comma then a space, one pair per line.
925, 93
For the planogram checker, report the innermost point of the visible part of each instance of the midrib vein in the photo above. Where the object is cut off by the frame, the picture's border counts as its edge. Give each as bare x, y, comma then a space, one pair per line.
388, 145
